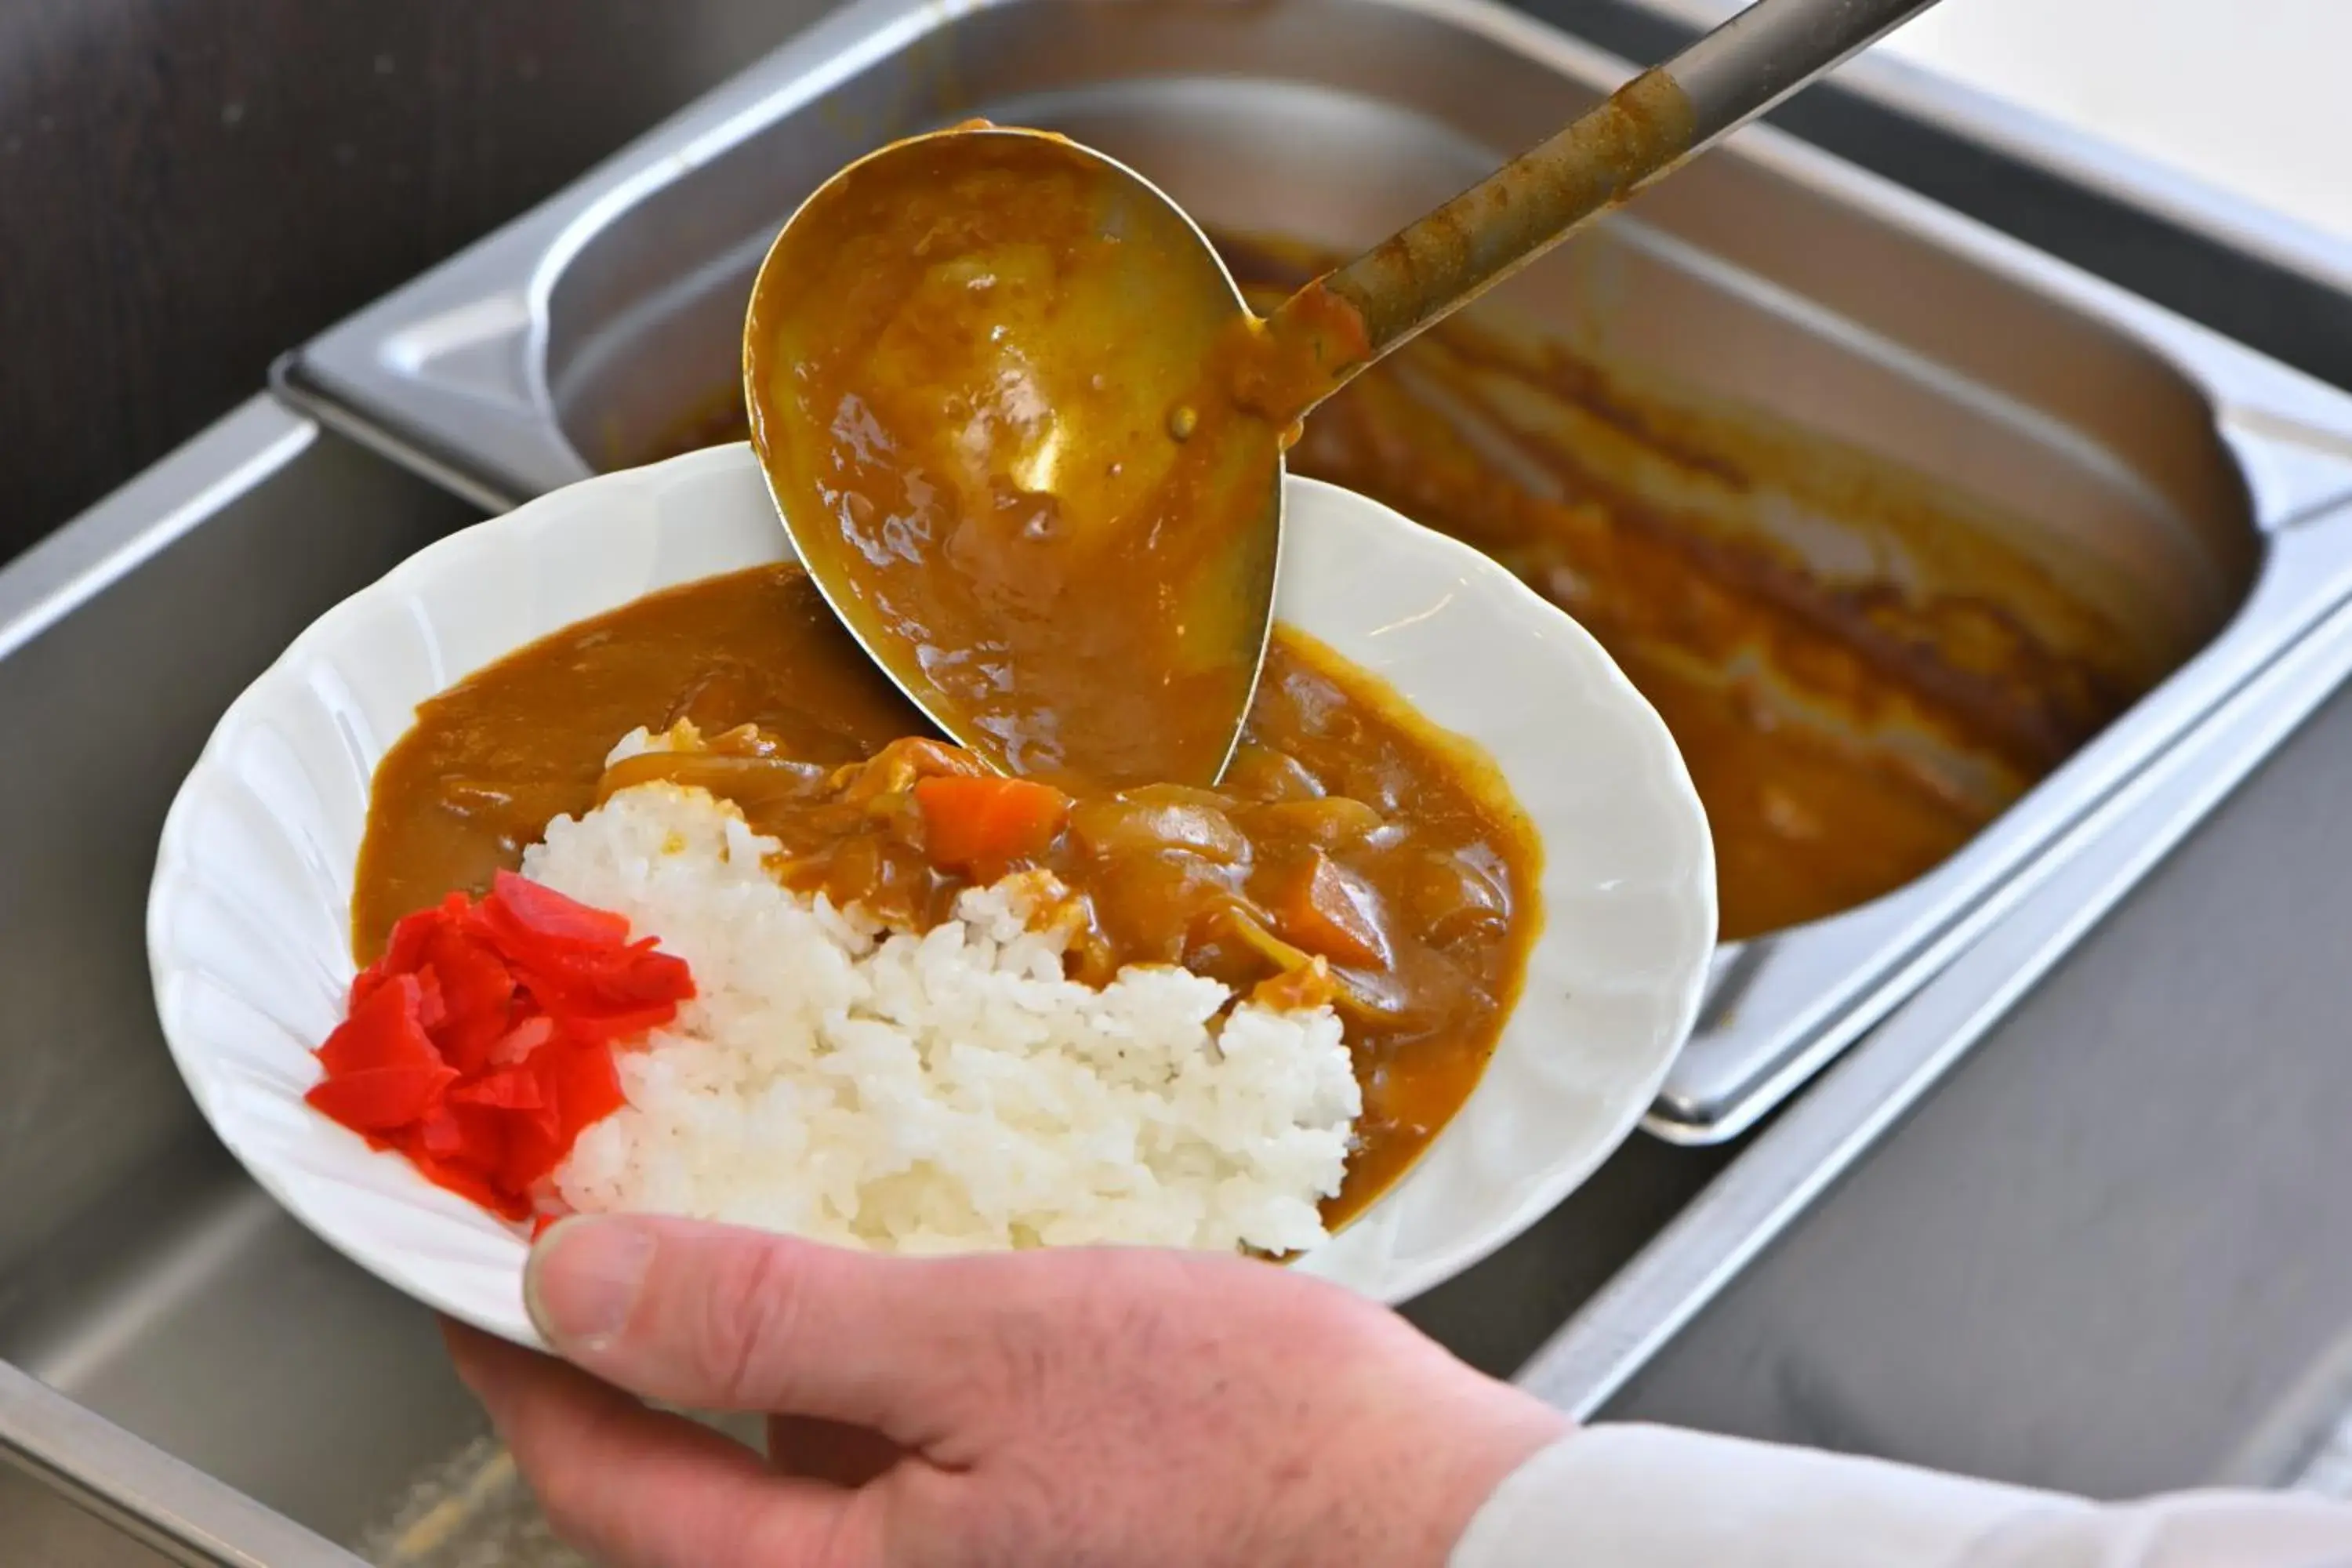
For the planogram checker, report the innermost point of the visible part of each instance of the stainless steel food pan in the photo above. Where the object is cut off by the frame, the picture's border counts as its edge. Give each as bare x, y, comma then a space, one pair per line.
2160, 468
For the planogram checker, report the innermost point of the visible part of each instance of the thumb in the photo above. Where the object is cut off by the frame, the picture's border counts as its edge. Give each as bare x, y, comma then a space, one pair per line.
717, 1318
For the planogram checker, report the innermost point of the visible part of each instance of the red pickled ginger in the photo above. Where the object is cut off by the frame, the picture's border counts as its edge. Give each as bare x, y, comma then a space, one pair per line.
481, 1043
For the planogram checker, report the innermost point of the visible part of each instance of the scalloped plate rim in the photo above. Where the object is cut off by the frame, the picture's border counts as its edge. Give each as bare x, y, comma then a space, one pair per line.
1662, 776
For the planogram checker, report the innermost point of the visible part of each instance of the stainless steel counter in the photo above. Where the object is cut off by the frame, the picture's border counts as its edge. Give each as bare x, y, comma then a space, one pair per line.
2042, 1278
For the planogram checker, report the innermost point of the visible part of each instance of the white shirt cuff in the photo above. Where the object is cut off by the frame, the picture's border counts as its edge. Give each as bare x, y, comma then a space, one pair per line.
1656, 1497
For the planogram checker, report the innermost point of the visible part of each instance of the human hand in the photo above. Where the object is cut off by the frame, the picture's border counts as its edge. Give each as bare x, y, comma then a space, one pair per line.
1123, 1408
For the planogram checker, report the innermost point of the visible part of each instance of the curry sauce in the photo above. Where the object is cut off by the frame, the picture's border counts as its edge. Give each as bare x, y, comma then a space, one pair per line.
1352, 852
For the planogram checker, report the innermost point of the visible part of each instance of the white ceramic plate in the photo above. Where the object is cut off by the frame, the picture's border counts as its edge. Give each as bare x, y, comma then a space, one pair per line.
248, 921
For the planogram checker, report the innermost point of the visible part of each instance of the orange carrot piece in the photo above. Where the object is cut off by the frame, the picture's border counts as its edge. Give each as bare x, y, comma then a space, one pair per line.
988, 821
1324, 911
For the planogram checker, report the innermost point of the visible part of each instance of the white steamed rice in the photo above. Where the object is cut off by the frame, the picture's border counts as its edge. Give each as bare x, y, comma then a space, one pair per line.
945, 1092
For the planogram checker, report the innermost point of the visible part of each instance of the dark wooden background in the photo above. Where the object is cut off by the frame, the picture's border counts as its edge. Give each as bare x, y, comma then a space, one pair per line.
189, 187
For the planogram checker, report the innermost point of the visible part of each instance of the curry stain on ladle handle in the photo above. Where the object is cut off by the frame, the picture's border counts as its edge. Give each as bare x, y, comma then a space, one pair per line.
1333, 328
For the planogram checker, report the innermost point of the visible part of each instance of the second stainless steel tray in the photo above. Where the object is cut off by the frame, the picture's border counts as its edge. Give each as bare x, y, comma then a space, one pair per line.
2175, 461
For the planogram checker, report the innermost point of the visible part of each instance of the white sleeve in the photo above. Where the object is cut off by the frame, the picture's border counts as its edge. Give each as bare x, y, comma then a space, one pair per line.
1653, 1497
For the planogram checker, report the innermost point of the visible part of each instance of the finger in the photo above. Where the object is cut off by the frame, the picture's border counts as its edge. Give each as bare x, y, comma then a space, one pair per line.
829, 1451
723, 1319
641, 1488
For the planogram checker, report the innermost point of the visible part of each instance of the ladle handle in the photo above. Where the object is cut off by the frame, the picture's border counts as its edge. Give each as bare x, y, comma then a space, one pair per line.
1642, 130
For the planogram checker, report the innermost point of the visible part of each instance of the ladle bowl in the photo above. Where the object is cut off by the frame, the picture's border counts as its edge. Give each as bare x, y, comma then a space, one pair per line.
973, 364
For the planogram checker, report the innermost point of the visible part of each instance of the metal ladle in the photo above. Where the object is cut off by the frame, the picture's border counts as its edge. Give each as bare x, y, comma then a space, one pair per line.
1028, 438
